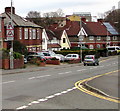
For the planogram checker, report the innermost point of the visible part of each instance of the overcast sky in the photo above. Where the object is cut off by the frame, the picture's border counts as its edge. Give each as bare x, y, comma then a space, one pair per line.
68, 6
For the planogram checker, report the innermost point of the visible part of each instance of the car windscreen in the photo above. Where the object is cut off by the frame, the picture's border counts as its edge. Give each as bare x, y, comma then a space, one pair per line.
89, 57
111, 48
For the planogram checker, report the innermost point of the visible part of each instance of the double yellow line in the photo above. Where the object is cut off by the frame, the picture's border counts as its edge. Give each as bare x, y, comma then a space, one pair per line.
81, 88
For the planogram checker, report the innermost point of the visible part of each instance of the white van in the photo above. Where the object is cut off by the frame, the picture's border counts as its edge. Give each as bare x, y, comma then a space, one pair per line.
113, 48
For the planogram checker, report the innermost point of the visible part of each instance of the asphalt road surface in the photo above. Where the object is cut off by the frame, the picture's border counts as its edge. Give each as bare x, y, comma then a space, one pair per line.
54, 88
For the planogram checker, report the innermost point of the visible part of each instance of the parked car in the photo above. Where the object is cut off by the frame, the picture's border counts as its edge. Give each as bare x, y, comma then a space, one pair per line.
61, 57
91, 60
72, 57
113, 48
25, 60
30, 57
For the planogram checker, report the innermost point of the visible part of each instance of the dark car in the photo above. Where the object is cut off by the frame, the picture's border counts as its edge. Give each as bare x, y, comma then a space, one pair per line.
91, 60
30, 57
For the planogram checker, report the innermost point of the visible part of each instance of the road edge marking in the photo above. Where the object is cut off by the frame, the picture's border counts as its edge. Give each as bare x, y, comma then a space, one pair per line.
81, 88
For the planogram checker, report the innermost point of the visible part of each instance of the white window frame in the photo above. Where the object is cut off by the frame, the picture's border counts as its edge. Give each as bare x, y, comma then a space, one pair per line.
20, 33
26, 33
38, 33
91, 46
108, 38
91, 37
98, 45
114, 37
98, 38
34, 33
30, 33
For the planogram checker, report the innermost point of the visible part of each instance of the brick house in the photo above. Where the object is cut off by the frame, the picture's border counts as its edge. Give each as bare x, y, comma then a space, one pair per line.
58, 40
95, 34
25, 31
1, 31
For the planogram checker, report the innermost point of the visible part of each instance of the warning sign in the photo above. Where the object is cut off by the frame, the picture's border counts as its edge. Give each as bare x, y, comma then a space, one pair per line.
10, 31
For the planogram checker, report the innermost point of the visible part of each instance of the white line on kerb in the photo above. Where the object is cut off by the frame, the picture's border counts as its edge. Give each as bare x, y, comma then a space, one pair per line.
7, 82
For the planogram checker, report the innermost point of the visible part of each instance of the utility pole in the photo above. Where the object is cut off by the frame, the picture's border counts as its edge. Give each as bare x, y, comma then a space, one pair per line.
11, 49
77, 18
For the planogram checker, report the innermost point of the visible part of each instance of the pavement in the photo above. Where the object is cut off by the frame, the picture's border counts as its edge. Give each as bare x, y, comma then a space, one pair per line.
102, 83
107, 85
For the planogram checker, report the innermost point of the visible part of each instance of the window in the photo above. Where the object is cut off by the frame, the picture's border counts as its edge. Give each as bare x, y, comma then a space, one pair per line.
34, 33
108, 37
20, 33
38, 33
64, 40
98, 45
30, 33
114, 37
98, 38
26, 33
91, 47
91, 38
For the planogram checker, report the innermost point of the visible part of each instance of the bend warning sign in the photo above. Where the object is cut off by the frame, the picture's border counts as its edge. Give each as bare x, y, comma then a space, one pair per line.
10, 31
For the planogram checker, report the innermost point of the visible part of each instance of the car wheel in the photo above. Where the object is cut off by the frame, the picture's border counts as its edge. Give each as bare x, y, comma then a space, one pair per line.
98, 64
84, 64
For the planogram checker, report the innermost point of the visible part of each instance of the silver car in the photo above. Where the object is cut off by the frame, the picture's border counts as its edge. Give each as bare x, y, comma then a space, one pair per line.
91, 60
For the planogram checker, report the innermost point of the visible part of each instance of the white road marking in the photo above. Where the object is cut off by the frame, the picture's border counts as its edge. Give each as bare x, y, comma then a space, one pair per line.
31, 78
7, 82
22, 107
42, 100
38, 77
63, 92
68, 72
81, 70
35, 102
50, 96
46, 98
64, 73
57, 94
43, 76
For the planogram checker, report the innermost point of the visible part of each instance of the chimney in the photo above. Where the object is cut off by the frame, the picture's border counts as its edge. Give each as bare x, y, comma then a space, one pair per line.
8, 10
100, 20
83, 19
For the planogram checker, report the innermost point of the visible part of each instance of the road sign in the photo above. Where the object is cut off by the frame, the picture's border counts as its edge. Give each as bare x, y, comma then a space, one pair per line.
10, 31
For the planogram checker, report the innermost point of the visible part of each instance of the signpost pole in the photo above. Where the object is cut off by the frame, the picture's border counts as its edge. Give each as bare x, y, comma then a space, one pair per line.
11, 49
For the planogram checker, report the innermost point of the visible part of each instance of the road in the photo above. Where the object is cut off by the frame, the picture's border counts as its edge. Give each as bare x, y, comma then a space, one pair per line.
54, 88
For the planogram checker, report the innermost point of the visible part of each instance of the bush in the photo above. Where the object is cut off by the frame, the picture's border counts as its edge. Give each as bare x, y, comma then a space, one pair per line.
17, 55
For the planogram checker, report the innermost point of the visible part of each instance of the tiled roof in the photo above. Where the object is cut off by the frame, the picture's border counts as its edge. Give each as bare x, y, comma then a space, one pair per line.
58, 34
50, 34
96, 28
18, 21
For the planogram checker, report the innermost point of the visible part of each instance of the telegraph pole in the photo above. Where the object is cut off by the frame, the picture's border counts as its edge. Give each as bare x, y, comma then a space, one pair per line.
11, 49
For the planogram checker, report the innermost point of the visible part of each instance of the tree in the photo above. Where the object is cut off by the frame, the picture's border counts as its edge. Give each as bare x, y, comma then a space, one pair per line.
58, 13
33, 14
47, 19
19, 47
113, 17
